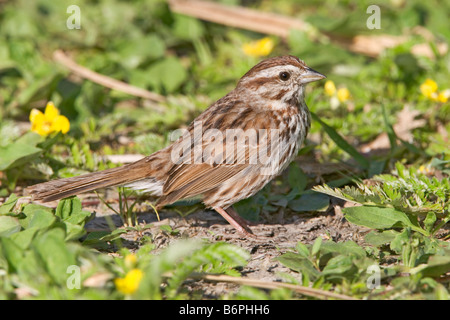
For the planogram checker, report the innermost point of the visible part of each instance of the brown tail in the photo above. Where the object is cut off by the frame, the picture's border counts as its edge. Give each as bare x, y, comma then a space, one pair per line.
62, 188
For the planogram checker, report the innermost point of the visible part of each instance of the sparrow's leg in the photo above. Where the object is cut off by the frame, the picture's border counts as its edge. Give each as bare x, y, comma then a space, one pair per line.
235, 220
237, 217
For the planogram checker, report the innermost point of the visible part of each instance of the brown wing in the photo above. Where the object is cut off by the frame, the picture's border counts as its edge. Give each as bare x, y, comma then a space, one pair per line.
218, 162
196, 179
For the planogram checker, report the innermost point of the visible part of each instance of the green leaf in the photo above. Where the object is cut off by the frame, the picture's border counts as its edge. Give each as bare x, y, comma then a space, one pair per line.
31, 138
53, 250
74, 231
316, 246
44, 83
50, 141
302, 249
377, 218
347, 248
115, 234
298, 263
400, 240
99, 238
166, 228
248, 209
8, 226
133, 52
79, 218
12, 252
16, 154
167, 74
439, 164
341, 143
24, 237
41, 219
188, 28
436, 266
71, 213
379, 238
297, 178
9, 204
310, 202
429, 221
30, 210
68, 206
94, 237
339, 265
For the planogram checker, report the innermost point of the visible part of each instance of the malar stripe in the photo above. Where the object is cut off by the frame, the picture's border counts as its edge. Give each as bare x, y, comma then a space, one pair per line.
277, 96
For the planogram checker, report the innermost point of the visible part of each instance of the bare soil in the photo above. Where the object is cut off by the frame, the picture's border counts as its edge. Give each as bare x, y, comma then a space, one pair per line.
275, 234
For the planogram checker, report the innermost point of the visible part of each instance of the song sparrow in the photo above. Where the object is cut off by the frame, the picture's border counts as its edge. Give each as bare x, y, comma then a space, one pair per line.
230, 152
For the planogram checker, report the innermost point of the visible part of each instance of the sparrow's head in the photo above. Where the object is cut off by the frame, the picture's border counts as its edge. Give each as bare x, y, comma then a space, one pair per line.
279, 78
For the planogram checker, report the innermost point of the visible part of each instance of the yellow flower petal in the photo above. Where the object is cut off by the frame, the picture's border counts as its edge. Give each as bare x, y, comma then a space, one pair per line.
60, 123
51, 112
42, 129
330, 88
343, 94
266, 46
130, 283
258, 48
49, 121
444, 96
428, 88
434, 96
38, 123
36, 116
130, 260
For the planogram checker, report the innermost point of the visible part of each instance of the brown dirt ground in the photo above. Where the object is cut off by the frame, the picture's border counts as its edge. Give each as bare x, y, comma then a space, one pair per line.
276, 234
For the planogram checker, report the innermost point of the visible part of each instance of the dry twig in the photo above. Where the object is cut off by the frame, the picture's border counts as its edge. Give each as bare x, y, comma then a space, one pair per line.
311, 292
103, 80
279, 25
238, 17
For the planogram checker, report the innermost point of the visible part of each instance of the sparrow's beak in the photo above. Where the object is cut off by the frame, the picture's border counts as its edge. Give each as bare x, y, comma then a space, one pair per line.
311, 75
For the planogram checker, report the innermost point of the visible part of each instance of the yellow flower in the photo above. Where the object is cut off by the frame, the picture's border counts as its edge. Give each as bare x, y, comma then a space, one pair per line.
443, 96
130, 260
130, 283
343, 94
424, 170
259, 48
49, 121
338, 96
428, 88
330, 88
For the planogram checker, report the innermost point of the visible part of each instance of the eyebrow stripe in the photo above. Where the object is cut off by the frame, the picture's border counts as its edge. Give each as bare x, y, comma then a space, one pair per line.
259, 81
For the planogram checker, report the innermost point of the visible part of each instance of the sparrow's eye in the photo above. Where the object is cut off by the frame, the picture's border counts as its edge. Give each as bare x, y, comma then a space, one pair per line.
285, 76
